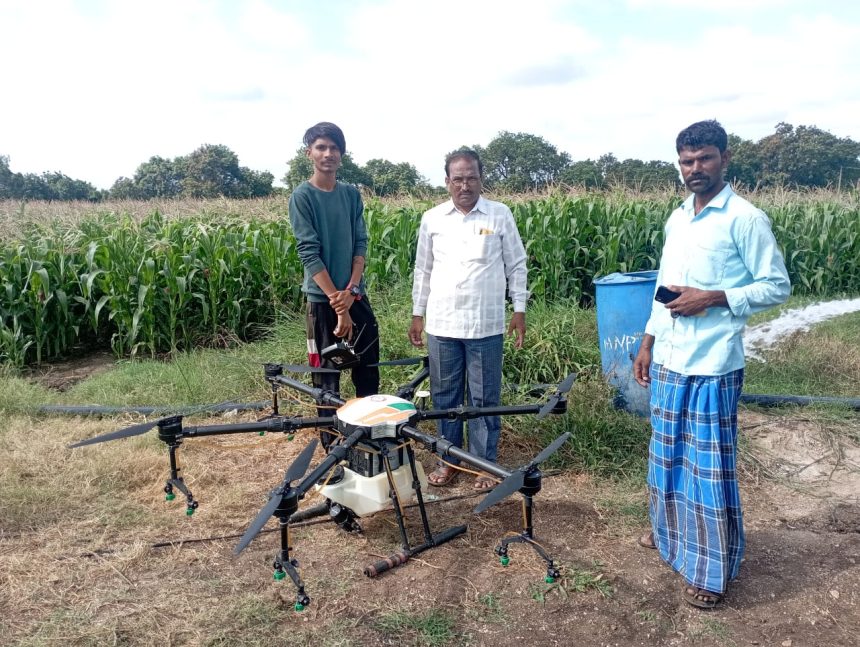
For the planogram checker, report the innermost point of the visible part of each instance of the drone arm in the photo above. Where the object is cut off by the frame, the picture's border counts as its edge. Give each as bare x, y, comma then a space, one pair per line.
272, 424
408, 390
336, 454
322, 396
466, 413
442, 447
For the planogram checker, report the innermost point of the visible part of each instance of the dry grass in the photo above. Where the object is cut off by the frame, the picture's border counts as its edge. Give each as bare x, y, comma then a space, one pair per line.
78, 564
78, 567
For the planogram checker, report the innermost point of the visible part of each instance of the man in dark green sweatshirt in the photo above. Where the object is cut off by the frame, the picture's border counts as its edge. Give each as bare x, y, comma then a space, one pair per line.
327, 217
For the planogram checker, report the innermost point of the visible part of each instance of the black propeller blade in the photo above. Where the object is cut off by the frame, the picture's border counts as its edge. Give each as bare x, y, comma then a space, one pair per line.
300, 465
128, 432
515, 481
552, 401
301, 368
294, 472
406, 361
548, 451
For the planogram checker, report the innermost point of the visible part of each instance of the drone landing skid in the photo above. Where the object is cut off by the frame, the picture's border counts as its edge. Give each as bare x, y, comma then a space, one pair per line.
402, 556
176, 481
527, 537
430, 540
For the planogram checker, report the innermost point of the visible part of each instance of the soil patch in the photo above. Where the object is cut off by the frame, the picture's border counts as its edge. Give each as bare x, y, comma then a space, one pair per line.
62, 375
91, 575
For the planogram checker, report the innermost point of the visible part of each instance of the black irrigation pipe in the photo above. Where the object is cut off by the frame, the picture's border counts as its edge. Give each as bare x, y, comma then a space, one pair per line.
802, 400
97, 410
300, 524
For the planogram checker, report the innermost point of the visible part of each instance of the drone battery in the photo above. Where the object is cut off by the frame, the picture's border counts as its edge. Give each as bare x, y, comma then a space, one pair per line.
366, 460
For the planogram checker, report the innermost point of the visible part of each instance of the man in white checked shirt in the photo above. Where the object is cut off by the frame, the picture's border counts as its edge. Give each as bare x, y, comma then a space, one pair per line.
469, 251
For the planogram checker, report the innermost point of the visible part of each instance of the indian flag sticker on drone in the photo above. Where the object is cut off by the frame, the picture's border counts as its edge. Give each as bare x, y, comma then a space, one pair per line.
376, 409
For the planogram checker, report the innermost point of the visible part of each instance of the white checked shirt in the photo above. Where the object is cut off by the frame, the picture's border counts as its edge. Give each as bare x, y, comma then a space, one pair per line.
462, 266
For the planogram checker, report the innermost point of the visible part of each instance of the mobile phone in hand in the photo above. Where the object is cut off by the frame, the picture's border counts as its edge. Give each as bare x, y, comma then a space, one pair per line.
665, 295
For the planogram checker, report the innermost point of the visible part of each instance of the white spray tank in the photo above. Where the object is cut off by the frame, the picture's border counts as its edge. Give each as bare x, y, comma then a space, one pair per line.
364, 487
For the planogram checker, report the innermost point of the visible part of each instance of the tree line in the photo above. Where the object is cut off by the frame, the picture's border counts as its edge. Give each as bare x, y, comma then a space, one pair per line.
804, 156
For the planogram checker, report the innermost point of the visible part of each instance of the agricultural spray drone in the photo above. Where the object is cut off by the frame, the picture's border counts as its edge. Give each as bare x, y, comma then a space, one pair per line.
370, 467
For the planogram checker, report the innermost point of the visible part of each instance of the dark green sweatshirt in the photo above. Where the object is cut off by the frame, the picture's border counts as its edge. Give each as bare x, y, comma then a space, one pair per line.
330, 231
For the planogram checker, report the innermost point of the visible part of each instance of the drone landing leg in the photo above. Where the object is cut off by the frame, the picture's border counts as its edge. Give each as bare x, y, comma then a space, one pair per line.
402, 556
527, 537
398, 512
416, 485
284, 565
176, 481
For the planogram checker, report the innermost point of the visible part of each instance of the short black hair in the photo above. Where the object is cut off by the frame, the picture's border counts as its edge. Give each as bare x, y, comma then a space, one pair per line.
462, 154
701, 134
325, 129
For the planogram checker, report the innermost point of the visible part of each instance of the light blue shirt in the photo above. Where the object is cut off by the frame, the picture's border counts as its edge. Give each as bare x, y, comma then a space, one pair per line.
727, 246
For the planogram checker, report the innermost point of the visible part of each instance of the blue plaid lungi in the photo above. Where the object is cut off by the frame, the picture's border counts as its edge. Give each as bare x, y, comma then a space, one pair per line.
694, 500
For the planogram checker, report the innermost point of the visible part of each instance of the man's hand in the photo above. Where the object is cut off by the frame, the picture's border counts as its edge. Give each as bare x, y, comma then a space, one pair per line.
416, 331
694, 301
518, 326
344, 326
341, 301
642, 363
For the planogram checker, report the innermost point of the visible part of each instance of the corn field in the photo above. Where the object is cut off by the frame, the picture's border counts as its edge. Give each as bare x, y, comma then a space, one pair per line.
158, 284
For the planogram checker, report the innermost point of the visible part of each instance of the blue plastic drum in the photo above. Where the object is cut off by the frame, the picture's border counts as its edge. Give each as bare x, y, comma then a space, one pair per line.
623, 307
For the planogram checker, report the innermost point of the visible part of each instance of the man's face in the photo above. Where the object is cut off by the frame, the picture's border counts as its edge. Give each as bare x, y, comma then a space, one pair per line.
464, 183
702, 169
325, 155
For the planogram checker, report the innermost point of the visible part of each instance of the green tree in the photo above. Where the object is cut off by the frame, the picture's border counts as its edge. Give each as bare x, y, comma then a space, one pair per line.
299, 169
520, 162
388, 178
636, 174
585, 173
745, 164
210, 171
156, 178
62, 187
808, 156
123, 188
7, 179
255, 184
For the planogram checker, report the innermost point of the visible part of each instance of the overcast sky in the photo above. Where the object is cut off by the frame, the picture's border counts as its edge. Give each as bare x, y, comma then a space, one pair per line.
95, 88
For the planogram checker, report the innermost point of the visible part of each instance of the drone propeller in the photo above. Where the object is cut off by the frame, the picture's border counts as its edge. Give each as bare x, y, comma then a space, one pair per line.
303, 368
128, 432
406, 361
515, 481
295, 471
553, 400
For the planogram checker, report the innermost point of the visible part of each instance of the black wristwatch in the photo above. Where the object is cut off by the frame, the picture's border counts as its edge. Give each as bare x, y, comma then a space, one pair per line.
355, 292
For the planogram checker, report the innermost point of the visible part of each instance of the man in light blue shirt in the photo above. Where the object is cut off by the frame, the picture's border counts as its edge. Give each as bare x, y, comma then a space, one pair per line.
722, 260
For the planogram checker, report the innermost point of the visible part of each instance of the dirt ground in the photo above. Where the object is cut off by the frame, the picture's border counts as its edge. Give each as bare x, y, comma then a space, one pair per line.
93, 578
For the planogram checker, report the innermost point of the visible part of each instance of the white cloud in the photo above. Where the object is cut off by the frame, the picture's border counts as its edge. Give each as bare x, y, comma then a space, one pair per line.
95, 90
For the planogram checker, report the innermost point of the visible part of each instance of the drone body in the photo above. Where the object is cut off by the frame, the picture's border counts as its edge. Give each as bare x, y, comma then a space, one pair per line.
363, 484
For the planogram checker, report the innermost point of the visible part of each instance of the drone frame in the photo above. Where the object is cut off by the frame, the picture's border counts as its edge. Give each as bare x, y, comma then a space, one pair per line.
284, 500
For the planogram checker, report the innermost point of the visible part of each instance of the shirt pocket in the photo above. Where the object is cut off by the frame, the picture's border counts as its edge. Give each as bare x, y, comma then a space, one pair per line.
707, 265
480, 248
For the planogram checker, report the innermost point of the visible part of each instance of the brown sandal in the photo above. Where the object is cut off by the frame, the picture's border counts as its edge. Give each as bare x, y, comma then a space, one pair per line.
441, 476
484, 482
701, 598
647, 541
